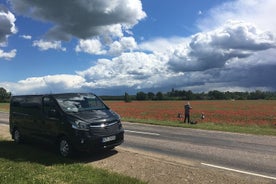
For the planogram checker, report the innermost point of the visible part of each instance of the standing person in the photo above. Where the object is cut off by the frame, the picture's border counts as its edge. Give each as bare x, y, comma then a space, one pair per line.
187, 108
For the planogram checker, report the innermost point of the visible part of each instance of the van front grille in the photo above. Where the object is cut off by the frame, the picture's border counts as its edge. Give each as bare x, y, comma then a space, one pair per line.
105, 129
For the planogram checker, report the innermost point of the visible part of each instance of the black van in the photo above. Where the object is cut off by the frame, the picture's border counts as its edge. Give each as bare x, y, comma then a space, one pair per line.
73, 121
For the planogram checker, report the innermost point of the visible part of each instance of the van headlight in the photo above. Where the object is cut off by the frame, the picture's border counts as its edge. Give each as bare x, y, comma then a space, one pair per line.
80, 125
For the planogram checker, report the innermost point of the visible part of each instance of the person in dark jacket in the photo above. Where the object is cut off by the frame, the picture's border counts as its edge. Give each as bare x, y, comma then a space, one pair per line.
187, 108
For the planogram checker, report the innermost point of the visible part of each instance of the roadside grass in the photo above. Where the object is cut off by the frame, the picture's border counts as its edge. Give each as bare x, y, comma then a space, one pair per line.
251, 129
31, 164
4, 107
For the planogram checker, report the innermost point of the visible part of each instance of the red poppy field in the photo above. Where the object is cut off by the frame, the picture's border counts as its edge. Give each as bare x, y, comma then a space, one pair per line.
243, 113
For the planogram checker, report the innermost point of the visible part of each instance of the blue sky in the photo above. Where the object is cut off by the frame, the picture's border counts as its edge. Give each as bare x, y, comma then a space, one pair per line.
114, 46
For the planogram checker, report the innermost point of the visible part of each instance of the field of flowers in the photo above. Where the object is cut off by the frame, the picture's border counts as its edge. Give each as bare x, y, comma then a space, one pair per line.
258, 112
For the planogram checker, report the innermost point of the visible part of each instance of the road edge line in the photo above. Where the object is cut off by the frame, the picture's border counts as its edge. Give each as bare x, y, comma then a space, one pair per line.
239, 171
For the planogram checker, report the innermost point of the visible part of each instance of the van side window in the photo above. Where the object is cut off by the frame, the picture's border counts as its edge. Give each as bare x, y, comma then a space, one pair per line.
30, 105
32, 102
17, 101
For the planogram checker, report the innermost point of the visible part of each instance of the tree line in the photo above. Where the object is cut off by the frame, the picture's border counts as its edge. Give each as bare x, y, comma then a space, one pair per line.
178, 95
189, 95
218, 95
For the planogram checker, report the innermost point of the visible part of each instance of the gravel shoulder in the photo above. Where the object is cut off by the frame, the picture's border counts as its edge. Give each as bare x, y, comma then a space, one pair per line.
162, 169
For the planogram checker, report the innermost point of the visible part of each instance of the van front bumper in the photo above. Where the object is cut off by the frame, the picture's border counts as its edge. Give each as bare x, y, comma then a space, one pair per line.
85, 141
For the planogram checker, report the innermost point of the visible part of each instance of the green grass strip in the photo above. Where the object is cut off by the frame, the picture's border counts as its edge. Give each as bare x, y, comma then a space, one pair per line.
31, 164
252, 129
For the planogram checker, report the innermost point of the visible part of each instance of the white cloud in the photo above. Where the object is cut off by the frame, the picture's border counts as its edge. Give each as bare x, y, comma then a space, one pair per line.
235, 54
163, 45
7, 28
213, 49
46, 45
95, 46
63, 81
123, 45
83, 19
91, 46
135, 70
7, 25
112, 32
8, 55
27, 37
46, 84
257, 12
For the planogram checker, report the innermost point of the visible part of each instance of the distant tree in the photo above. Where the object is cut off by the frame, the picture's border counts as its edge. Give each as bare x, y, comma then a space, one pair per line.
141, 96
159, 96
189, 95
150, 95
216, 95
257, 95
127, 98
4, 95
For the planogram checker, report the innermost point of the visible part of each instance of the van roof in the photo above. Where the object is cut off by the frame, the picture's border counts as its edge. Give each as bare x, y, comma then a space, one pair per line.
51, 94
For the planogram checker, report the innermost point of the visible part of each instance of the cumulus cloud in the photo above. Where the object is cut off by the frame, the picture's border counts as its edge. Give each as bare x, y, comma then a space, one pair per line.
8, 55
259, 12
125, 44
91, 46
128, 43
235, 49
7, 24
215, 48
27, 37
46, 84
46, 45
83, 19
95, 46
7, 28
135, 69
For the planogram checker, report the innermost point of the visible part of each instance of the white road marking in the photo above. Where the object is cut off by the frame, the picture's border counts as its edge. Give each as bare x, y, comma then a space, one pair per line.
144, 133
239, 171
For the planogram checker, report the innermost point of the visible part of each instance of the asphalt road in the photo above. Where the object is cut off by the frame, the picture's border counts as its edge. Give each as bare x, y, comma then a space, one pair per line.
248, 154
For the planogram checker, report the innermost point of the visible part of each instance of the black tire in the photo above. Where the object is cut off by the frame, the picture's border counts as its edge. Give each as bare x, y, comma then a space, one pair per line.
17, 137
65, 148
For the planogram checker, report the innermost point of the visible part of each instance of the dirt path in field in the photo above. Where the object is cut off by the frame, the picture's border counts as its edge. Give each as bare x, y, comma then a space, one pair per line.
160, 169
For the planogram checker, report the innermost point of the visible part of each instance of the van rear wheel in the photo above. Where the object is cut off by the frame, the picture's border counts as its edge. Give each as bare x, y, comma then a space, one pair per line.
65, 147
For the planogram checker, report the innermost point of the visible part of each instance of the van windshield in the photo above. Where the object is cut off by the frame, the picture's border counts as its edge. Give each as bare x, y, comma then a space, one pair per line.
80, 102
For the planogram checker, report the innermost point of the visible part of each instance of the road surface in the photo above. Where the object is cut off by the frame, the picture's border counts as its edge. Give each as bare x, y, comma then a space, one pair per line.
242, 152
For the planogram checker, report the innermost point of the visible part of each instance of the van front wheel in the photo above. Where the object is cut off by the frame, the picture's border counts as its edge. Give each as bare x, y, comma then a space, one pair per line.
64, 147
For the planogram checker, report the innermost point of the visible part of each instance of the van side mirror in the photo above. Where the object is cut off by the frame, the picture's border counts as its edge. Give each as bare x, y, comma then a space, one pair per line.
53, 113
